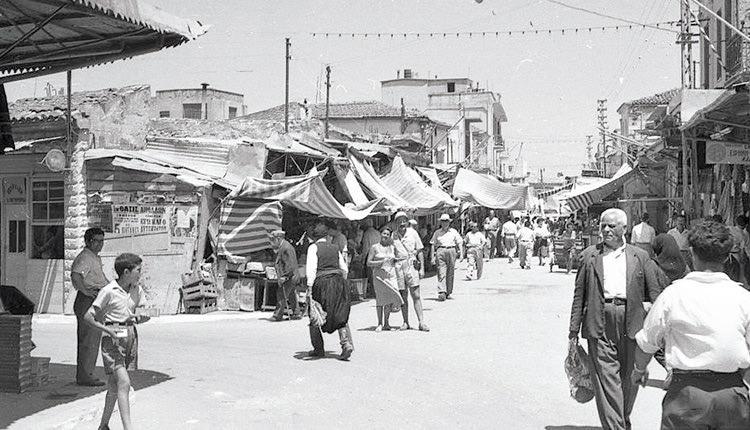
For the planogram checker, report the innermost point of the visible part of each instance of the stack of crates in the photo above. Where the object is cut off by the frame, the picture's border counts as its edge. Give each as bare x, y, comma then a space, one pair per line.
15, 353
199, 292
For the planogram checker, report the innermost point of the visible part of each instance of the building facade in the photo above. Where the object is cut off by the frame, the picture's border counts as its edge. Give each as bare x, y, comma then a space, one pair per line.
198, 103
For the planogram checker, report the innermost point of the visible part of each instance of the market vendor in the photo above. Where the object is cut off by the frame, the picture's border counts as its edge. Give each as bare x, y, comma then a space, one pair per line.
285, 264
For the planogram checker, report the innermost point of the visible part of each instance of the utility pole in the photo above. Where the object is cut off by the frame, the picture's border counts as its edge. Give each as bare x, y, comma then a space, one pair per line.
601, 114
589, 151
286, 88
685, 42
328, 93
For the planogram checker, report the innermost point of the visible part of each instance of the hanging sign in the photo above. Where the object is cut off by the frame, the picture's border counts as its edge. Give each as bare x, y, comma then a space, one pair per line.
718, 152
14, 190
137, 219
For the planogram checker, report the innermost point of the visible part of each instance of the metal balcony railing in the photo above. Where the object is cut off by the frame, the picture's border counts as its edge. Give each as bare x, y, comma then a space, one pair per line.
736, 56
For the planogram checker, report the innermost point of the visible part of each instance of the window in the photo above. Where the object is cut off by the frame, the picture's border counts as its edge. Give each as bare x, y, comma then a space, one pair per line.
192, 110
48, 215
16, 236
232, 112
451, 87
706, 66
164, 114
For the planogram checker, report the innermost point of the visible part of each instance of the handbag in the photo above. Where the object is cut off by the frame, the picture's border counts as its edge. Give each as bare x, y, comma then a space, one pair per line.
417, 264
316, 313
578, 370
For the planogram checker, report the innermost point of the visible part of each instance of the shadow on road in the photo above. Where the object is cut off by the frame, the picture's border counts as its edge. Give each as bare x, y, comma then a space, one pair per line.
304, 356
63, 389
571, 428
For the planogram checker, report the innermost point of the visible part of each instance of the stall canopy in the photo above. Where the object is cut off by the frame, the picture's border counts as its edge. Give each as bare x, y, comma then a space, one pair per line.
366, 174
488, 191
556, 190
409, 185
39, 37
245, 226
587, 196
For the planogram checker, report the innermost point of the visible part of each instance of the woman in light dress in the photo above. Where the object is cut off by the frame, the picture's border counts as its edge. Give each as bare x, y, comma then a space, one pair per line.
382, 259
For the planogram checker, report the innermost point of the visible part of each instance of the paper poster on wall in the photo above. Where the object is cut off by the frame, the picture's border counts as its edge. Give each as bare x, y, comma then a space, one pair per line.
185, 221
139, 219
727, 153
100, 215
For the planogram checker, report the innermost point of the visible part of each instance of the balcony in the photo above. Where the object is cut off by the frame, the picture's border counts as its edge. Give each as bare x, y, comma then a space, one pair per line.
498, 142
736, 60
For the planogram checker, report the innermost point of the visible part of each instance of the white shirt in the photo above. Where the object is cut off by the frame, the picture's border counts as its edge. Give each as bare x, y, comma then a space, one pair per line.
614, 265
448, 238
475, 239
525, 234
510, 228
311, 264
117, 305
680, 238
643, 233
411, 241
703, 323
542, 231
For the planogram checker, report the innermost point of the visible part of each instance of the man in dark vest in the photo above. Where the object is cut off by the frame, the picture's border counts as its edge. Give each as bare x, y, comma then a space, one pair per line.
326, 274
286, 272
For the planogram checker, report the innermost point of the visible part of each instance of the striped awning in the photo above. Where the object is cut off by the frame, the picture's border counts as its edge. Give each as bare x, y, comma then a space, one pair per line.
409, 185
366, 174
307, 193
246, 225
586, 198
488, 191
547, 193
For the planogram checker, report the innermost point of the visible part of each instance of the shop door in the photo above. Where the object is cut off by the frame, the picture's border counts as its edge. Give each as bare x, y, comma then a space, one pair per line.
15, 229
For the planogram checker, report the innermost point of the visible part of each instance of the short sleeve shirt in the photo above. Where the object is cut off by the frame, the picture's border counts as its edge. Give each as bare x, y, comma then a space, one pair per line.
89, 265
411, 241
446, 238
116, 304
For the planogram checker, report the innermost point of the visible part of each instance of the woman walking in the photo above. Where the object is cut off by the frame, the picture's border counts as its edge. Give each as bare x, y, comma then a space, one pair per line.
382, 259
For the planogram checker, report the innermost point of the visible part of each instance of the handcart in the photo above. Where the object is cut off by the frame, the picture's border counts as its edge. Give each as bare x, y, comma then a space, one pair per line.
564, 250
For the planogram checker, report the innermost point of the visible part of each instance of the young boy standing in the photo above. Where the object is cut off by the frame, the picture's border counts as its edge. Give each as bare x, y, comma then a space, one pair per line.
113, 313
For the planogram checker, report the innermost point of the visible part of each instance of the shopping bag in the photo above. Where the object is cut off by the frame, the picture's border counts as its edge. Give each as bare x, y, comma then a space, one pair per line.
578, 369
317, 314
471, 268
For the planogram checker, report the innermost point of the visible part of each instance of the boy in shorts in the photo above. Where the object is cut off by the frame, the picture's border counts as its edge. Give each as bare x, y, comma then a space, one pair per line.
113, 313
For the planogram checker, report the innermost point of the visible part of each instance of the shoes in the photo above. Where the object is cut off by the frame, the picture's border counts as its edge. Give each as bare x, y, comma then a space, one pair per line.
441, 297
379, 328
448, 296
423, 327
528, 267
295, 317
91, 383
346, 352
387, 328
278, 317
404, 326
510, 260
316, 353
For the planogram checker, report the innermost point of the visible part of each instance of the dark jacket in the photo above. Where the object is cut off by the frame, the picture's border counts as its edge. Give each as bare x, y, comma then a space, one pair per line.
643, 284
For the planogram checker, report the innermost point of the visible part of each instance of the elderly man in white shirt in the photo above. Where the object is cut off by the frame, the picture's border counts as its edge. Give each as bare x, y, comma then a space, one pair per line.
703, 323
446, 244
643, 235
679, 233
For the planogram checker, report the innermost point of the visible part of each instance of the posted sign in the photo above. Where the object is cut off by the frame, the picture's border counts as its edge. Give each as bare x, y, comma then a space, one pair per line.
138, 219
727, 153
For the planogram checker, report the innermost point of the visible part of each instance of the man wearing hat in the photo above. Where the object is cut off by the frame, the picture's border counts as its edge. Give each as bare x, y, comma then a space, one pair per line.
288, 277
407, 241
446, 244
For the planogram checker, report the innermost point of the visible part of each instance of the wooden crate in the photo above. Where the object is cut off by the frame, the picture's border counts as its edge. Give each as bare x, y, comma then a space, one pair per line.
39, 371
15, 353
200, 306
199, 291
357, 289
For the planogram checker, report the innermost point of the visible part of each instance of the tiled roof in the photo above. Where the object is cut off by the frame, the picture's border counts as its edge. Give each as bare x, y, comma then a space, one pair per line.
54, 107
656, 99
366, 109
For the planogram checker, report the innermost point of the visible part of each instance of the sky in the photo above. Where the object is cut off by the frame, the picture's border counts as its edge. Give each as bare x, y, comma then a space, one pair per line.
549, 84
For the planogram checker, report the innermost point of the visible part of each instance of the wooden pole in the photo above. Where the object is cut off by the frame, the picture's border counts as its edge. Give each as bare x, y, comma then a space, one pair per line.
328, 93
286, 88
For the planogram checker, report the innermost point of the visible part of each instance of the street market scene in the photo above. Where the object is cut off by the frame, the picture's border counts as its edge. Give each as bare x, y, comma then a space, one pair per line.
431, 214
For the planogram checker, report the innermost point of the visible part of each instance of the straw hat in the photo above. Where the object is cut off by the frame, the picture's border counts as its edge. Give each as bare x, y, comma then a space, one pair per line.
445, 217
400, 214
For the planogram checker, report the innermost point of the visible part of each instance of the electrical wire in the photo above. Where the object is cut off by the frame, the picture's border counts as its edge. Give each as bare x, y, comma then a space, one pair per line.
592, 12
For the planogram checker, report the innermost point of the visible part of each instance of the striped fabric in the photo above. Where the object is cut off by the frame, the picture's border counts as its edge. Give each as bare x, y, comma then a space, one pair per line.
577, 201
409, 185
349, 183
245, 226
545, 194
488, 191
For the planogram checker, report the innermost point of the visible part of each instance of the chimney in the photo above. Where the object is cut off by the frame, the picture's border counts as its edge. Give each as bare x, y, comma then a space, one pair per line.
398, 74
407, 73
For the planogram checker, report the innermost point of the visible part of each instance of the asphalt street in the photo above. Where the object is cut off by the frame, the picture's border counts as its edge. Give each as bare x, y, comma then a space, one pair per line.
493, 359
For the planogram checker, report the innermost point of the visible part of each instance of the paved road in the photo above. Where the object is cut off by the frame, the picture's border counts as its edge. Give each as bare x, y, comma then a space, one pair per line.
494, 359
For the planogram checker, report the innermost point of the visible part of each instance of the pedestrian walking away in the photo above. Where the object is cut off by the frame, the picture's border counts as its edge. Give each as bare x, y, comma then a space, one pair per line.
326, 271
702, 322
406, 241
446, 244
113, 313
643, 235
509, 233
475, 242
383, 260
613, 281
542, 237
525, 244
669, 258
87, 277
491, 228
285, 264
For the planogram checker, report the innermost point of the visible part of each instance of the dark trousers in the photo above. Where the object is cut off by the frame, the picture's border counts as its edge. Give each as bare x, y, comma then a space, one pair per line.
89, 340
613, 356
316, 338
706, 401
286, 296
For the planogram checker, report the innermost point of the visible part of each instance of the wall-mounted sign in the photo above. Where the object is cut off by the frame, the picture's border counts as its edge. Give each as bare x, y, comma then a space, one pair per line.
14, 190
727, 153
100, 215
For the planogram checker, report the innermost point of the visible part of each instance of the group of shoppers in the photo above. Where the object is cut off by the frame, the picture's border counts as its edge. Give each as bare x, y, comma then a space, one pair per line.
700, 319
